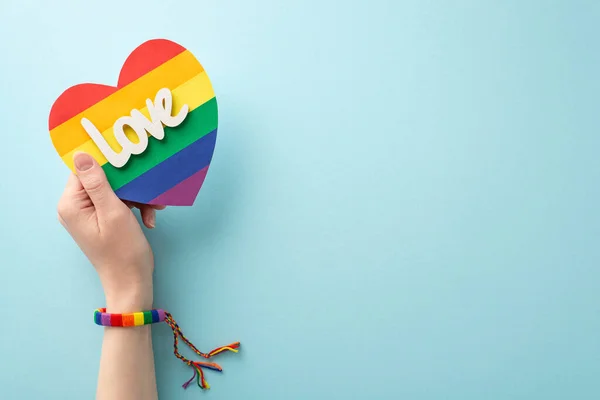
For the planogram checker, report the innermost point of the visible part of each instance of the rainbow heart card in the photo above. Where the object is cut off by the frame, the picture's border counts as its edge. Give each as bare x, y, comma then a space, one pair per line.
153, 134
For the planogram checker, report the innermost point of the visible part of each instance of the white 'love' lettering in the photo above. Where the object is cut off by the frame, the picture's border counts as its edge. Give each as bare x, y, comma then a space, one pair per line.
160, 114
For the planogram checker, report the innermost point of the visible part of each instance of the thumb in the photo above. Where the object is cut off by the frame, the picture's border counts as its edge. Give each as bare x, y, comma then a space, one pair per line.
93, 179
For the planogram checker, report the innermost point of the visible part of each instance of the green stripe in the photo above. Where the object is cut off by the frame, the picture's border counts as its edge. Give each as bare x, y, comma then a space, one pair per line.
197, 123
147, 317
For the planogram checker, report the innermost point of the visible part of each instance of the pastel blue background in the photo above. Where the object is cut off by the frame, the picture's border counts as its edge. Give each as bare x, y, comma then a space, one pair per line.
403, 202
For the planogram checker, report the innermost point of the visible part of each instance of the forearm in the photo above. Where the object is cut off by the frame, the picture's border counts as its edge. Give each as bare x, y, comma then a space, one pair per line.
127, 361
127, 365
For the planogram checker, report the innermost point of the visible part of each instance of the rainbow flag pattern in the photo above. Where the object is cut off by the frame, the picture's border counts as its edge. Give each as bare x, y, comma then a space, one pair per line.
170, 171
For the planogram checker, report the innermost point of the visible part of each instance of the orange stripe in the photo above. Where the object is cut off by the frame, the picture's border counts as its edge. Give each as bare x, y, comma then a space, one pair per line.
103, 114
128, 320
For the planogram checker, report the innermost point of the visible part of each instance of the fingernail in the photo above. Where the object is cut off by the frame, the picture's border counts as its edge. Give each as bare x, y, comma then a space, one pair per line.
83, 161
152, 219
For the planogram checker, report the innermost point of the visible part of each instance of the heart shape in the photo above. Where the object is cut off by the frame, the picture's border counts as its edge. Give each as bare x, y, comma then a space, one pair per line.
171, 170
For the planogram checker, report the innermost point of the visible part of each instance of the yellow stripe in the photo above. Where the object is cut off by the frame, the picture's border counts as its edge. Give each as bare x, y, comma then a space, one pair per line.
194, 93
224, 349
138, 318
103, 114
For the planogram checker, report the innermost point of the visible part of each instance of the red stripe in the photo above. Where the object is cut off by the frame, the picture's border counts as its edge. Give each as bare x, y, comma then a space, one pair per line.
145, 58
116, 320
75, 100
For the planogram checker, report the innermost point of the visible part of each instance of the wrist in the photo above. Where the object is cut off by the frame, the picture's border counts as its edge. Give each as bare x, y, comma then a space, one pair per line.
133, 298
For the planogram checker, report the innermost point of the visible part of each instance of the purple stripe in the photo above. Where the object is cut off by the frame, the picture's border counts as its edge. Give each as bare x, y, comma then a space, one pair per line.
161, 315
106, 319
184, 193
170, 172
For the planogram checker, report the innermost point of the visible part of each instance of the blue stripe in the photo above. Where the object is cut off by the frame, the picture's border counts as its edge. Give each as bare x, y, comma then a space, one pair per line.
170, 172
155, 318
97, 318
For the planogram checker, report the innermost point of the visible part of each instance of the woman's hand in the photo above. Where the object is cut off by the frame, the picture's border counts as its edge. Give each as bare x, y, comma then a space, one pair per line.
108, 233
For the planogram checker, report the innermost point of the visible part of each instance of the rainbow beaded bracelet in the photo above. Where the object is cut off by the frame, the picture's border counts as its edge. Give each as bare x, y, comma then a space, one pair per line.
102, 318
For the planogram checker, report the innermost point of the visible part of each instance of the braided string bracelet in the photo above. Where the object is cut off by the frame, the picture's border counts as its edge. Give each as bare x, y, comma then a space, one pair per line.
102, 318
